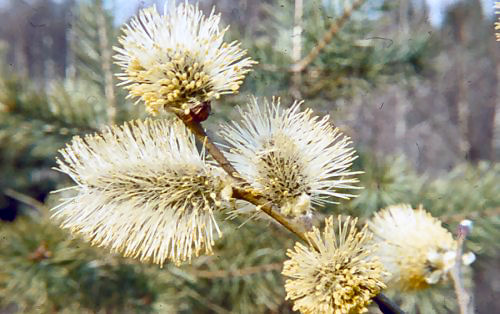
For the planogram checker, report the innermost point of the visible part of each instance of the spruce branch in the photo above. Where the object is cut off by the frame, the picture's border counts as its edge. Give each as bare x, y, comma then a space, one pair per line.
60, 111
327, 38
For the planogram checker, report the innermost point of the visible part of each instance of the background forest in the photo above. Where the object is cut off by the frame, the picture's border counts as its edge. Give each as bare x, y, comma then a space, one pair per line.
419, 100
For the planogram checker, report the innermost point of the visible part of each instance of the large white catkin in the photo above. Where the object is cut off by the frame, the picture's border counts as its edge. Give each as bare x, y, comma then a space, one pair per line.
293, 158
143, 189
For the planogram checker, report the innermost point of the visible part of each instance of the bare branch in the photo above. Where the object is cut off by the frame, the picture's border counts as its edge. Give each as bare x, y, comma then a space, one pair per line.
464, 298
26, 199
254, 197
327, 38
214, 274
386, 306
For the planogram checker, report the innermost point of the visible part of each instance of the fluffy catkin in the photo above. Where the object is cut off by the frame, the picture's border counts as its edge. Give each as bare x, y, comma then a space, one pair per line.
143, 189
414, 247
179, 59
340, 277
292, 157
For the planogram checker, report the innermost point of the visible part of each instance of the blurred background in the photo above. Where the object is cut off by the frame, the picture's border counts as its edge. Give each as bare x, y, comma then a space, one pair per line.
414, 83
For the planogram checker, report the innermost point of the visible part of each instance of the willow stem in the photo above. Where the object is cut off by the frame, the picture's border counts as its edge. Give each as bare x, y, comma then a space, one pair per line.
386, 306
463, 297
248, 195
254, 197
213, 150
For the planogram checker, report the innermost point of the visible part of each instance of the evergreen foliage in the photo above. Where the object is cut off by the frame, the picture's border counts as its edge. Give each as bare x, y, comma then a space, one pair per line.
44, 270
47, 272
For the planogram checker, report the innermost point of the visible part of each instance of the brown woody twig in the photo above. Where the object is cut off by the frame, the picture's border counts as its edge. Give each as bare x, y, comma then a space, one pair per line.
214, 274
240, 193
26, 199
386, 305
332, 31
254, 197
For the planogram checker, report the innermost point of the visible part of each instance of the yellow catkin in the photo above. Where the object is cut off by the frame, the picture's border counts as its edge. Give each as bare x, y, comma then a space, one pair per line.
341, 276
414, 247
178, 57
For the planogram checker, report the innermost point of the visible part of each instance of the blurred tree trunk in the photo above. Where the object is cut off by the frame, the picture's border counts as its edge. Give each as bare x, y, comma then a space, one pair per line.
471, 96
481, 119
483, 82
455, 92
36, 33
106, 61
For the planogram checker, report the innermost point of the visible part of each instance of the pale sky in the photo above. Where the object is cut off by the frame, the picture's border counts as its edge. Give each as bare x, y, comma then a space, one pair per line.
125, 8
437, 8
